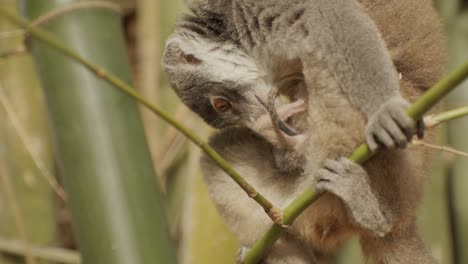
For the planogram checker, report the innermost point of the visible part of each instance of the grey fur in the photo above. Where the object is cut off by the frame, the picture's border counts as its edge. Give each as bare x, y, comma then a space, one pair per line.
350, 182
252, 156
347, 69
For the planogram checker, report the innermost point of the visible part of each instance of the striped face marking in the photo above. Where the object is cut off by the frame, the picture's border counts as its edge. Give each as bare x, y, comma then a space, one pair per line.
223, 62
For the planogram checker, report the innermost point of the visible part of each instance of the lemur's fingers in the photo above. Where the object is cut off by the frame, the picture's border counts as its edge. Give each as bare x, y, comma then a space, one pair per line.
350, 182
384, 138
342, 167
397, 109
341, 177
335, 166
324, 175
394, 131
371, 142
390, 126
328, 181
351, 167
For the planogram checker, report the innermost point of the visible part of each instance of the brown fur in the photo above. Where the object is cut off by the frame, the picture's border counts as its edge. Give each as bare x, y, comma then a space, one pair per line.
417, 45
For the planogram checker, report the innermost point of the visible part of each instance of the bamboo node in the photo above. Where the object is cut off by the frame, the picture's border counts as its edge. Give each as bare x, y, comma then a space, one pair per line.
276, 215
101, 73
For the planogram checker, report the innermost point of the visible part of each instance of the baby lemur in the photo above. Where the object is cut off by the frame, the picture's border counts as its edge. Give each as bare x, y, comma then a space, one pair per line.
224, 59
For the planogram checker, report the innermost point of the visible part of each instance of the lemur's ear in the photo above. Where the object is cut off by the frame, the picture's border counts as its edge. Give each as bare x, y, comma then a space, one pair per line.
174, 55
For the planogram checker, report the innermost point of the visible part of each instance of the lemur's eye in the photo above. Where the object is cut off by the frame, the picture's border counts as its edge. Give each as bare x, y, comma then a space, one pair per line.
221, 104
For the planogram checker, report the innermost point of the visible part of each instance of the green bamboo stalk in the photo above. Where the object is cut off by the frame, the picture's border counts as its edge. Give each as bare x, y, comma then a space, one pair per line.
50, 40
103, 156
23, 131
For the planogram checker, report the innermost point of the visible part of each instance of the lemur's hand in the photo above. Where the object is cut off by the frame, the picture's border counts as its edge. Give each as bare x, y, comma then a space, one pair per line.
390, 126
350, 182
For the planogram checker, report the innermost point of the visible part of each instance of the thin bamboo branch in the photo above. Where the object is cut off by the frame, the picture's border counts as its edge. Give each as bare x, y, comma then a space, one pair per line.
441, 148
50, 179
435, 120
127, 89
45, 253
61, 11
18, 218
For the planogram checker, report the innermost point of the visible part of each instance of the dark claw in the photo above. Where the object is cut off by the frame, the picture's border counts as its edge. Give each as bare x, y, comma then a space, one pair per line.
260, 101
277, 120
286, 129
420, 128
274, 92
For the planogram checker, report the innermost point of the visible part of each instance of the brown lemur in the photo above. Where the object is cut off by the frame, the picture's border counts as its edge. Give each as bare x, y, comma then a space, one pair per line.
225, 58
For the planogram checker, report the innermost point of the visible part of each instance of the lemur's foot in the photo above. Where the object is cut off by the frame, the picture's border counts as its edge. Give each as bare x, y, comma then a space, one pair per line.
390, 126
350, 182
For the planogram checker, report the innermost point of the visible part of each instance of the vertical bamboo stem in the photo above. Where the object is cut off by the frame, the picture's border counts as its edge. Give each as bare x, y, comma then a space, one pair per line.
15, 210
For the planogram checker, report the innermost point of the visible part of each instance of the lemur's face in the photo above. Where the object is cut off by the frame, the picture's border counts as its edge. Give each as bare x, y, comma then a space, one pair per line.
225, 87
218, 81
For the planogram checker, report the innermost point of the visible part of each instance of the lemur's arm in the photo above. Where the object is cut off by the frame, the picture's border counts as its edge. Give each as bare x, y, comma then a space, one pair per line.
342, 40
